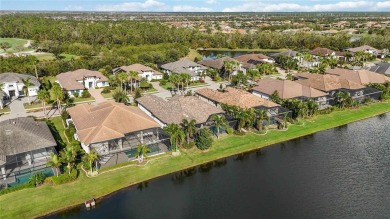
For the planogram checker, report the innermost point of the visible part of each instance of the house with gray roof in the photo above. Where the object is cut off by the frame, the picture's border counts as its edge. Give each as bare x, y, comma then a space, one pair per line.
184, 66
12, 86
25, 147
218, 64
176, 109
381, 68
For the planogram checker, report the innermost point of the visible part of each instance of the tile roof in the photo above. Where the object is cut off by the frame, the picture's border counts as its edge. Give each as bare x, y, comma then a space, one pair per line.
181, 66
178, 108
252, 58
138, 68
363, 48
11, 77
326, 82
216, 63
287, 89
107, 121
359, 76
235, 97
68, 80
22, 135
382, 68
289, 53
319, 51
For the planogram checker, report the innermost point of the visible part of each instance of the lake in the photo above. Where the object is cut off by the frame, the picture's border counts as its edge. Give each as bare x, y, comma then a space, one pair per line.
339, 173
209, 54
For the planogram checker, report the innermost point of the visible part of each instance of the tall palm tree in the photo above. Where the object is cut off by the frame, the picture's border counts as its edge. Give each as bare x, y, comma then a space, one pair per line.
142, 152
261, 115
176, 134
133, 75
57, 94
175, 79
189, 128
312, 107
90, 158
26, 84
54, 162
219, 121
186, 78
44, 97
122, 77
66, 156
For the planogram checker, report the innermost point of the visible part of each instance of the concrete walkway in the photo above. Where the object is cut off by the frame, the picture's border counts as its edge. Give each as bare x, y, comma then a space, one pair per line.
97, 94
17, 108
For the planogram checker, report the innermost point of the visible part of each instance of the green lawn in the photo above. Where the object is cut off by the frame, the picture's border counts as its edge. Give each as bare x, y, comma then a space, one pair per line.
17, 45
50, 56
43, 200
5, 110
193, 54
60, 137
80, 99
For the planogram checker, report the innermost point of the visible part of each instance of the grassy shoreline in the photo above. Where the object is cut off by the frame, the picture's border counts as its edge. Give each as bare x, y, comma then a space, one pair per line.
48, 199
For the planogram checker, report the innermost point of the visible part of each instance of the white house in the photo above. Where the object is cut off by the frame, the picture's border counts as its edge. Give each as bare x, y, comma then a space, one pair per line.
77, 81
185, 66
143, 71
12, 86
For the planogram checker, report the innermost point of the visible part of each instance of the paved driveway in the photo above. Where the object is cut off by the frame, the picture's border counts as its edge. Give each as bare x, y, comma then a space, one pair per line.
97, 94
17, 107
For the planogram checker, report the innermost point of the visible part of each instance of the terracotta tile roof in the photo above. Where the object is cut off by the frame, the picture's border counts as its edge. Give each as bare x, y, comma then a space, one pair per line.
235, 97
326, 82
178, 108
319, 51
22, 135
359, 76
216, 63
108, 121
68, 80
139, 68
287, 89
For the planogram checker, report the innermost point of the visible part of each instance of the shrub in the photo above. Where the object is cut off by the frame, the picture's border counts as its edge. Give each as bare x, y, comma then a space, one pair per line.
203, 139
201, 81
37, 179
236, 132
144, 84
106, 90
229, 130
16, 188
163, 82
85, 94
63, 178
64, 115
76, 94
189, 145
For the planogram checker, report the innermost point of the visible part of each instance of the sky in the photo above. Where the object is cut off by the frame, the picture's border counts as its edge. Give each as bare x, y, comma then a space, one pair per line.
198, 5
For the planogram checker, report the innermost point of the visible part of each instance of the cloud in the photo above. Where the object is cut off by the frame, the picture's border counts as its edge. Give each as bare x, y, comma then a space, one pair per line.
188, 8
262, 6
211, 2
73, 8
148, 5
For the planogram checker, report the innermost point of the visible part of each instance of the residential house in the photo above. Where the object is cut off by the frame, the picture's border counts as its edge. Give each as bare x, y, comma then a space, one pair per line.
325, 52
333, 84
365, 48
176, 109
289, 90
115, 130
236, 97
25, 148
77, 81
362, 77
251, 60
143, 71
289, 53
218, 64
184, 66
381, 68
12, 86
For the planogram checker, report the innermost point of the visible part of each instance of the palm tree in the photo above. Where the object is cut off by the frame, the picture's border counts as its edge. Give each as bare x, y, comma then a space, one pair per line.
57, 94
175, 79
176, 134
90, 158
122, 77
132, 75
228, 69
120, 96
186, 78
26, 84
312, 107
245, 118
54, 162
142, 152
67, 157
343, 98
261, 115
219, 121
189, 128
285, 115
43, 96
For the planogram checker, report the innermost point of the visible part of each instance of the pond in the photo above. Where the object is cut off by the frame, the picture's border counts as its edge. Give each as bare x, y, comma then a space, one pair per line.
339, 173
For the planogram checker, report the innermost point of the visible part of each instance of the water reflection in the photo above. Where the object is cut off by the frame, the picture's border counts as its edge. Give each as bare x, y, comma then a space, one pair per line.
242, 156
142, 185
179, 177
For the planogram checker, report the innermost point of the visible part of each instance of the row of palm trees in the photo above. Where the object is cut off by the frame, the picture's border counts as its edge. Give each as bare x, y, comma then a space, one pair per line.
180, 80
69, 157
124, 78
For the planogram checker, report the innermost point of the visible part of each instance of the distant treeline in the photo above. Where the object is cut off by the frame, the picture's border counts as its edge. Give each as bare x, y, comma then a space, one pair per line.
113, 43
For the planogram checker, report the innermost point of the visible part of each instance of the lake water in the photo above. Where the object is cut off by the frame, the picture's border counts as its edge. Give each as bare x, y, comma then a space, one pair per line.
338, 173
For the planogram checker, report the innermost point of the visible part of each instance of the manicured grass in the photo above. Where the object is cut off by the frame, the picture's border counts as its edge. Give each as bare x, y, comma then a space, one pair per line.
50, 56
109, 95
15, 44
80, 99
5, 110
43, 200
57, 122
244, 50
33, 105
193, 54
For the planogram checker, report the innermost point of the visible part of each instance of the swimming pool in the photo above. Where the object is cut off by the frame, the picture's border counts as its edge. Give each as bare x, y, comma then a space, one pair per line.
153, 149
23, 178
